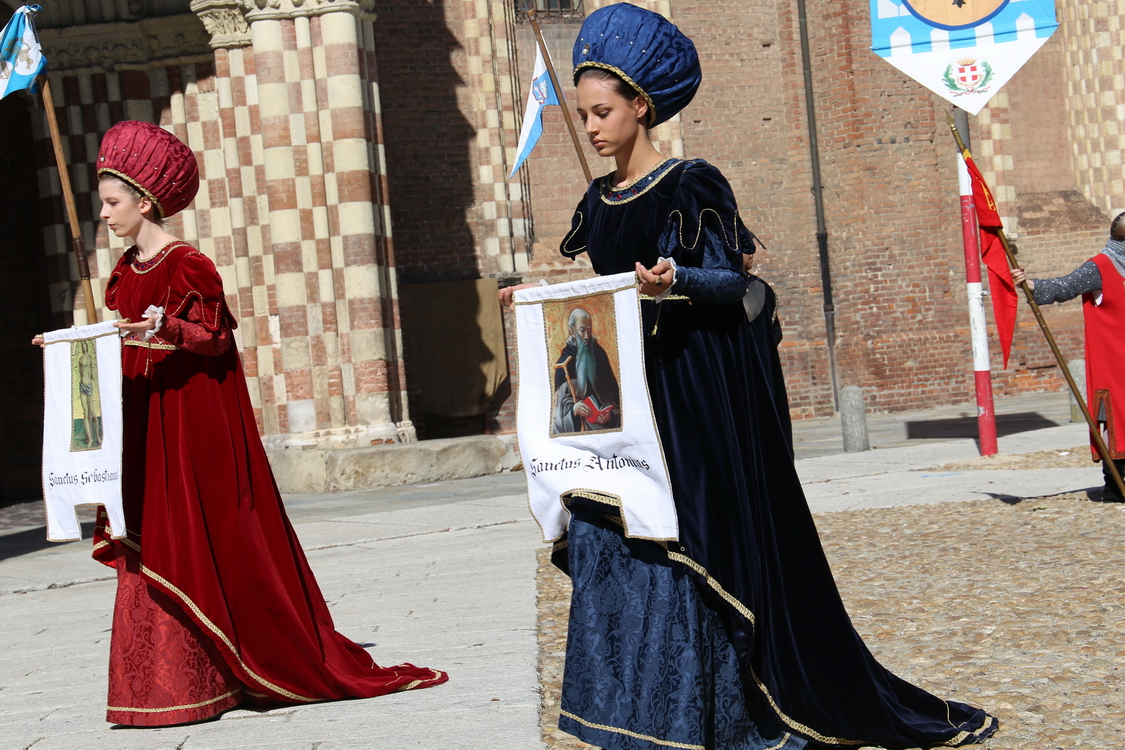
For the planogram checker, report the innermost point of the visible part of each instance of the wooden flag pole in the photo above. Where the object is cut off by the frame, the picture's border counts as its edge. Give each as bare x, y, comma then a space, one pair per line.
559, 94
1103, 451
72, 214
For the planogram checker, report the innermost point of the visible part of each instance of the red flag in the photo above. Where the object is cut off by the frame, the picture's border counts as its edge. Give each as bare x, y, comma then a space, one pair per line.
1005, 302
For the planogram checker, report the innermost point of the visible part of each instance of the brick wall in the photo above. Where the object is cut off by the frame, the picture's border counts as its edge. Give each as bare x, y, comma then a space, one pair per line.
890, 193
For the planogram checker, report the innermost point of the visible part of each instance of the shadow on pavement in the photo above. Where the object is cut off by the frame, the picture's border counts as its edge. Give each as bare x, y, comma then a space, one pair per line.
966, 427
27, 541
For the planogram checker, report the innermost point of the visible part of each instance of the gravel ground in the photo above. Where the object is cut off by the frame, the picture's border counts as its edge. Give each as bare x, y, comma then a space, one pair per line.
1016, 607
1078, 457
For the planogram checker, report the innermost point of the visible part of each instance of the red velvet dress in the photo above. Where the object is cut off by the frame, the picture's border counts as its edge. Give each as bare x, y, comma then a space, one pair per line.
1105, 354
216, 603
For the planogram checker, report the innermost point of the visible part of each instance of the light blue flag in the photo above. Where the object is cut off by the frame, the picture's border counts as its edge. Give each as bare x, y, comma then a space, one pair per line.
21, 57
962, 50
542, 93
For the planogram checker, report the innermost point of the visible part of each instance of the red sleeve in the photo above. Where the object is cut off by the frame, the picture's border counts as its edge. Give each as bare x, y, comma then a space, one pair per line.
114, 278
196, 317
190, 334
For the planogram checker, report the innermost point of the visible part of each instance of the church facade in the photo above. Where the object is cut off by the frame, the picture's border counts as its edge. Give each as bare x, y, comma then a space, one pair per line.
355, 194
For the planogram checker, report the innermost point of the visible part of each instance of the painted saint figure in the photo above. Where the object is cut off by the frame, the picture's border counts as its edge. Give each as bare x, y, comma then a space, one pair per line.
587, 395
86, 382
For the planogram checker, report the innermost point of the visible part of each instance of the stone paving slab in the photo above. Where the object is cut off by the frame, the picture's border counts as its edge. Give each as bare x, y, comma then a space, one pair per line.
927, 487
461, 600
443, 575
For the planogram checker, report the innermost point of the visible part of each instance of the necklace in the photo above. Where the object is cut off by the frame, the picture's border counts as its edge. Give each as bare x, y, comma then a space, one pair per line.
144, 266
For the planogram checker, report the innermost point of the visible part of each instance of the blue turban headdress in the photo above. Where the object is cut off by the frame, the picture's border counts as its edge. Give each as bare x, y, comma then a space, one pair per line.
646, 51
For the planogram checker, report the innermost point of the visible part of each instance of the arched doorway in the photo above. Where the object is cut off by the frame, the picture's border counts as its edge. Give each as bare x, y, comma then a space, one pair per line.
24, 304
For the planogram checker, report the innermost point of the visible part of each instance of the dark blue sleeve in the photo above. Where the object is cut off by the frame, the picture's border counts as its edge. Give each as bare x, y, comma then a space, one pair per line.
718, 279
706, 237
574, 244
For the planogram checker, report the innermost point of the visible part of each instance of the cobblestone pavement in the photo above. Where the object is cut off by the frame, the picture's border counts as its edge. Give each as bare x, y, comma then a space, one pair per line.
1017, 607
1078, 457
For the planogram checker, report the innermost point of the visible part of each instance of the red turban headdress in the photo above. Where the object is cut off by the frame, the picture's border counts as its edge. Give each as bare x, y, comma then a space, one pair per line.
152, 160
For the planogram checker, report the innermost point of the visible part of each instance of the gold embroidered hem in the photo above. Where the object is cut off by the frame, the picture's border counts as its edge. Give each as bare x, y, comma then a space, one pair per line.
166, 709
745, 612
629, 733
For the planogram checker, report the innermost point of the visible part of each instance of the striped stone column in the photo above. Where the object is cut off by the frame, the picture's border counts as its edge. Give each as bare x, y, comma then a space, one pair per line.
299, 115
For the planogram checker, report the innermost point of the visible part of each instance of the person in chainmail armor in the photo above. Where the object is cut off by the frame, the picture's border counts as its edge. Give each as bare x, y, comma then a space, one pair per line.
1101, 282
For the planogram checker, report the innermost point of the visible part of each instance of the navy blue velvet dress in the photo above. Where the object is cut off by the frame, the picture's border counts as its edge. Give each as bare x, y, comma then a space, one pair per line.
735, 637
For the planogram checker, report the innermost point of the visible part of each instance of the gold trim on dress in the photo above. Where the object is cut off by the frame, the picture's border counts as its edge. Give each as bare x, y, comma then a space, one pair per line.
669, 298
614, 501
189, 706
416, 683
156, 259
150, 345
572, 253
624, 77
221, 635
745, 611
699, 232
656, 166
634, 735
605, 183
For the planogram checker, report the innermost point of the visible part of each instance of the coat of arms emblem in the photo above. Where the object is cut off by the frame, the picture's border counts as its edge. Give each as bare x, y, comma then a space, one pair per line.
539, 91
968, 75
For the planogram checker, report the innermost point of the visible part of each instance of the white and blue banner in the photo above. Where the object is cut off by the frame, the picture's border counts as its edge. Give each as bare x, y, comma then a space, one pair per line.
585, 420
541, 94
82, 427
21, 57
962, 50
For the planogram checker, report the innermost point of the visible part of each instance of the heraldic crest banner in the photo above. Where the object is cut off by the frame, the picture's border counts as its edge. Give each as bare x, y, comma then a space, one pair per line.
962, 50
82, 427
585, 420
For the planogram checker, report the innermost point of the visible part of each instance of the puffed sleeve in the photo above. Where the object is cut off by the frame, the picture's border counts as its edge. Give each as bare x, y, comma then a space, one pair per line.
574, 244
111, 284
196, 317
706, 238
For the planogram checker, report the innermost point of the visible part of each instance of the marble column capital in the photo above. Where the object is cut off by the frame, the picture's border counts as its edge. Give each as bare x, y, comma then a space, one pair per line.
225, 21
228, 21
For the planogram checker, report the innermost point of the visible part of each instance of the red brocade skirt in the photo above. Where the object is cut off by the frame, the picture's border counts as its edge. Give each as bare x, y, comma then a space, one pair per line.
162, 669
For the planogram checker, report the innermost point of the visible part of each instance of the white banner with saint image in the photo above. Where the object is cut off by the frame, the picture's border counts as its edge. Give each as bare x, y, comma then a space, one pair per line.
585, 420
82, 427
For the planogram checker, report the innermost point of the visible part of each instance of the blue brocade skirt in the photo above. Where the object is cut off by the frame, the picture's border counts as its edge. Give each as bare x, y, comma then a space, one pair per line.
649, 665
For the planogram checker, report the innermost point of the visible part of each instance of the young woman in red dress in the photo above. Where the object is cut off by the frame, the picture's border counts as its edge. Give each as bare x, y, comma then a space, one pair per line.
216, 603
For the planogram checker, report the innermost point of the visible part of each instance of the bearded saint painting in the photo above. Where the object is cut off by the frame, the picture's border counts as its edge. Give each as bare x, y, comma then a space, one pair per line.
587, 397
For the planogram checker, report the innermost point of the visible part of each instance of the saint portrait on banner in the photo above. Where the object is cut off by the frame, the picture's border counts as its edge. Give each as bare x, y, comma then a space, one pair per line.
587, 397
86, 432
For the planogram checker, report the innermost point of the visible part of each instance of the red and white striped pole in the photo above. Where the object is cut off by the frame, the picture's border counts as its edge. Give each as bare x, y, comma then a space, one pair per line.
970, 232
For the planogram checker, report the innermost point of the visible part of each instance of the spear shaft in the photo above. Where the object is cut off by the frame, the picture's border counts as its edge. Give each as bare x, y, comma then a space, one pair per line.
77, 243
559, 94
